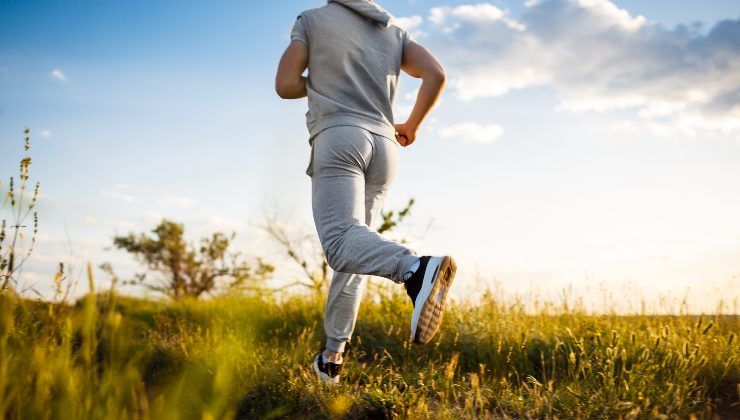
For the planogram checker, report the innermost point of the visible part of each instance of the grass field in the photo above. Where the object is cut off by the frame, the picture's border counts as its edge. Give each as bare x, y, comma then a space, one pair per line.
248, 357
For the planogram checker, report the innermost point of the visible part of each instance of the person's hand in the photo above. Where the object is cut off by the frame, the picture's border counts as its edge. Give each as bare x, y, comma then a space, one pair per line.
405, 133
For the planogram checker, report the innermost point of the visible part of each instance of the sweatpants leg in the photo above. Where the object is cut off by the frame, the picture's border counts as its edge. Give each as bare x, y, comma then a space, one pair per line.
352, 171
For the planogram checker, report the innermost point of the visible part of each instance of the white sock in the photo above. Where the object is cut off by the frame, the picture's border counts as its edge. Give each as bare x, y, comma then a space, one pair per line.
415, 266
325, 360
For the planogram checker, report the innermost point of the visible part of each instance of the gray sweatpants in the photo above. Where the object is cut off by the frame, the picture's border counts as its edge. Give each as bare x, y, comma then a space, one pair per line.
351, 170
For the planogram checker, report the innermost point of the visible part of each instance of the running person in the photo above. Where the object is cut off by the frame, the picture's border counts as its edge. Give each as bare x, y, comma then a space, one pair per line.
354, 54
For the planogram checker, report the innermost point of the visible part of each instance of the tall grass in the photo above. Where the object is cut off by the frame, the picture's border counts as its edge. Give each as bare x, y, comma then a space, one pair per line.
248, 357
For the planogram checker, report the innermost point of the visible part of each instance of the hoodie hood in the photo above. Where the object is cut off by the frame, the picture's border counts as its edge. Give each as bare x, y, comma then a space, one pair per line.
369, 10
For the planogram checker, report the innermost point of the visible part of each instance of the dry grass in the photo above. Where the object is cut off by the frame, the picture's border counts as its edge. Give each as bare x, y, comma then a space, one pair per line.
248, 357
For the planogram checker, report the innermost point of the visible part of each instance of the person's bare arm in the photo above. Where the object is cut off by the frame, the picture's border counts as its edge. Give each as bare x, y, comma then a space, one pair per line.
420, 63
289, 81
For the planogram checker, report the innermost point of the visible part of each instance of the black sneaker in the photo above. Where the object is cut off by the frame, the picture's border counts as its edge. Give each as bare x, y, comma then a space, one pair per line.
328, 372
427, 289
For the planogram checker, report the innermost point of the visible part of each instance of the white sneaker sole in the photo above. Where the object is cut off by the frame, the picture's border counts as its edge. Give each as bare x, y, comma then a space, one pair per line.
323, 376
430, 302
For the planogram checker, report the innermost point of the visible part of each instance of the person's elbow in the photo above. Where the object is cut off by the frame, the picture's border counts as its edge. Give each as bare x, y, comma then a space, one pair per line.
439, 75
291, 88
283, 88
436, 75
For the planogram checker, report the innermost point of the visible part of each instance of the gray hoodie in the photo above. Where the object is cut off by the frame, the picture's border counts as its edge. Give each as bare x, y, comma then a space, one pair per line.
355, 54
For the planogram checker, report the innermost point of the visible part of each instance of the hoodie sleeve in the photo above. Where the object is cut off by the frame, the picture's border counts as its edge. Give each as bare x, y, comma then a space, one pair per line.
299, 31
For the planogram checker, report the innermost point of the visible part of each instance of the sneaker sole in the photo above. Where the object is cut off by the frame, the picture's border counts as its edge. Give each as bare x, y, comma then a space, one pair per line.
323, 376
427, 317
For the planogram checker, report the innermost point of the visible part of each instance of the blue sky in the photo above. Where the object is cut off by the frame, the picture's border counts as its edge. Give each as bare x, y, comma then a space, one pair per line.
583, 143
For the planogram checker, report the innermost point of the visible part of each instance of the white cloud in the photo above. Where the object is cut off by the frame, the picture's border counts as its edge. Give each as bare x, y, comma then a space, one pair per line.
497, 81
130, 187
411, 96
437, 15
479, 14
153, 217
57, 74
44, 238
223, 224
402, 112
410, 23
90, 219
45, 134
483, 12
623, 127
609, 13
175, 201
595, 57
125, 192
126, 198
469, 132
